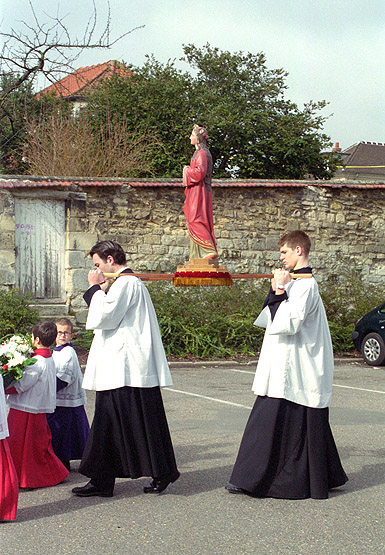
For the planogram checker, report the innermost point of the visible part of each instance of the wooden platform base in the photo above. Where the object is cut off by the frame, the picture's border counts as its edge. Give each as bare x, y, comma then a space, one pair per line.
201, 272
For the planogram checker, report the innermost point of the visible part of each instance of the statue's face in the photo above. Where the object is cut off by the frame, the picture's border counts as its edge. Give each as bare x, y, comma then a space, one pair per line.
193, 138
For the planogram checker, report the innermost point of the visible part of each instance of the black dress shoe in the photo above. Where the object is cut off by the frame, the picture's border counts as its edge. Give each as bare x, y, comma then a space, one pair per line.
89, 490
160, 484
234, 489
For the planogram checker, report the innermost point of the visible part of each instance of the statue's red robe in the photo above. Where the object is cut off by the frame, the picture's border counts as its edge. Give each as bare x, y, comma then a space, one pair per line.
198, 206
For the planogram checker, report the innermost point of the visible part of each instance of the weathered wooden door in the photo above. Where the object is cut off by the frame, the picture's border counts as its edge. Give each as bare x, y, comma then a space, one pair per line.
40, 244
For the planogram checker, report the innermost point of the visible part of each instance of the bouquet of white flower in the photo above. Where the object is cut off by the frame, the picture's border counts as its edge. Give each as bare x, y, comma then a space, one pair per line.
15, 354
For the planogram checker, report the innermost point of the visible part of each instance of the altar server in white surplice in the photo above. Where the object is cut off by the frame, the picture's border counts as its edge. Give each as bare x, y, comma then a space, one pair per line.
287, 449
127, 366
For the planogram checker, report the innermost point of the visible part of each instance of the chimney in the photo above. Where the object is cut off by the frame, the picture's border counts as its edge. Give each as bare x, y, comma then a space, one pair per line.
336, 148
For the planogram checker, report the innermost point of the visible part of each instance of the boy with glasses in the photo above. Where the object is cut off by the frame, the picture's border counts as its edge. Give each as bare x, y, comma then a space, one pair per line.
69, 424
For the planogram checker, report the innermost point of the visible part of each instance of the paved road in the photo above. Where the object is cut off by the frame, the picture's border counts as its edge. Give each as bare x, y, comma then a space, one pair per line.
207, 409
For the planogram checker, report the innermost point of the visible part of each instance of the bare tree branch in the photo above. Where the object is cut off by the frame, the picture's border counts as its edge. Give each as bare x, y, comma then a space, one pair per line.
48, 48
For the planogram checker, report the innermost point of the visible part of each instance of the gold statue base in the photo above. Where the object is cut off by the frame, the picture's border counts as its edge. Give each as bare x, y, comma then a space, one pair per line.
202, 272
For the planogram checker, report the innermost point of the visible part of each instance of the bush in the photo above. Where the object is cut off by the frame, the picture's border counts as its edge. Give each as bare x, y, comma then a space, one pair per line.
16, 314
347, 297
209, 322
217, 322
83, 339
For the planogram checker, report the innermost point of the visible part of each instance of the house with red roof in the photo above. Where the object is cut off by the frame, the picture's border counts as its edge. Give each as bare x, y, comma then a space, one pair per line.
76, 86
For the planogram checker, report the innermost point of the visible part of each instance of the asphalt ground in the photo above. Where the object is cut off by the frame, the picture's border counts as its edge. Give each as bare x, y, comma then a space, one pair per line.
207, 409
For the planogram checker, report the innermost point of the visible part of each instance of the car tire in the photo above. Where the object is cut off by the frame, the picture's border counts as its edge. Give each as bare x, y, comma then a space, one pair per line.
373, 349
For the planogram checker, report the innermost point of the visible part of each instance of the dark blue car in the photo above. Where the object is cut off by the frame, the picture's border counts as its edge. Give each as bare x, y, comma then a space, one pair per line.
369, 336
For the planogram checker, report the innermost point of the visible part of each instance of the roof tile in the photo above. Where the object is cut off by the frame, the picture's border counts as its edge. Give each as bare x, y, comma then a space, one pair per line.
82, 80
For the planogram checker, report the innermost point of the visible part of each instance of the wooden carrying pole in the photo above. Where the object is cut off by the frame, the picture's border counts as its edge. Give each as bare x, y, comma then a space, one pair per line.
165, 277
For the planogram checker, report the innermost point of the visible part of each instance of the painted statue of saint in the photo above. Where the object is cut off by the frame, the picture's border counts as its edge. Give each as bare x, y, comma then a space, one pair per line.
198, 206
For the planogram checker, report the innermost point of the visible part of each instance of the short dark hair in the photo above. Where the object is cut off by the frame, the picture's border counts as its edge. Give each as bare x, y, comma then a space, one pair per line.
296, 238
46, 331
109, 248
65, 322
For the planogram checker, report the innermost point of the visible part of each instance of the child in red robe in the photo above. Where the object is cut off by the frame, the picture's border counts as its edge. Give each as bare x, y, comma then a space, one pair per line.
30, 400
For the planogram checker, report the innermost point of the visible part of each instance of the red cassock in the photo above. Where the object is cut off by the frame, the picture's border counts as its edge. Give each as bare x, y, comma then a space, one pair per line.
30, 445
198, 207
9, 483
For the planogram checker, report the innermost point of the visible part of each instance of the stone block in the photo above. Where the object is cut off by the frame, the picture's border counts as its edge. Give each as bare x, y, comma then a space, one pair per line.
77, 281
7, 223
143, 214
271, 242
76, 259
7, 258
151, 239
77, 303
145, 249
77, 208
81, 316
81, 241
7, 276
77, 224
7, 238
160, 250
340, 218
227, 244
119, 201
51, 311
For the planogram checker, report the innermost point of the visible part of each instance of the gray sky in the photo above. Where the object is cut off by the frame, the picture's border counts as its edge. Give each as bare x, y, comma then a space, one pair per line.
333, 50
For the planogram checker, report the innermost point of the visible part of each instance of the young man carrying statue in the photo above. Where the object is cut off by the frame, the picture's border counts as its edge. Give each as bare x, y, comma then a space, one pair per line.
288, 450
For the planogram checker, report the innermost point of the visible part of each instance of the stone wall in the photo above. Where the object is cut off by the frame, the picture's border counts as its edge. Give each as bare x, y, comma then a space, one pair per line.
7, 239
346, 225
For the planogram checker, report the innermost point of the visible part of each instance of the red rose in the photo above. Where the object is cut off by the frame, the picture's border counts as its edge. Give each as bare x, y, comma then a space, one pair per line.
5, 367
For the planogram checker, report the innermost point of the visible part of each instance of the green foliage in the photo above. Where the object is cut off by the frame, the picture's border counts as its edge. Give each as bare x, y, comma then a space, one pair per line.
84, 339
208, 322
254, 132
155, 100
217, 322
16, 108
347, 297
16, 314
13, 112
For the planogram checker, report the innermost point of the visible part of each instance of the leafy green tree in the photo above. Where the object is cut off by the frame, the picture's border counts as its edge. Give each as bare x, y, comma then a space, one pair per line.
155, 100
40, 45
17, 106
255, 132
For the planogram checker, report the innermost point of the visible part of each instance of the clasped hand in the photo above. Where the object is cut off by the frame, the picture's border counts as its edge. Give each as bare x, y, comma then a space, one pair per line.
281, 277
96, 277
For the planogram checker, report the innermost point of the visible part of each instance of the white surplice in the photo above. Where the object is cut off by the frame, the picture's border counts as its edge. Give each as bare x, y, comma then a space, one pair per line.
127, 349
3, 412
296, 360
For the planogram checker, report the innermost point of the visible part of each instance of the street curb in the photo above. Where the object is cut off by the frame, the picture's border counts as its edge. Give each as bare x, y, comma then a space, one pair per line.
229, 363
204, 363
252, 363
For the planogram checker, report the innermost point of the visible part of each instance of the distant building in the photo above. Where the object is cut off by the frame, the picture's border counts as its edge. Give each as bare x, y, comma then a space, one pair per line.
362, 161
76, 86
